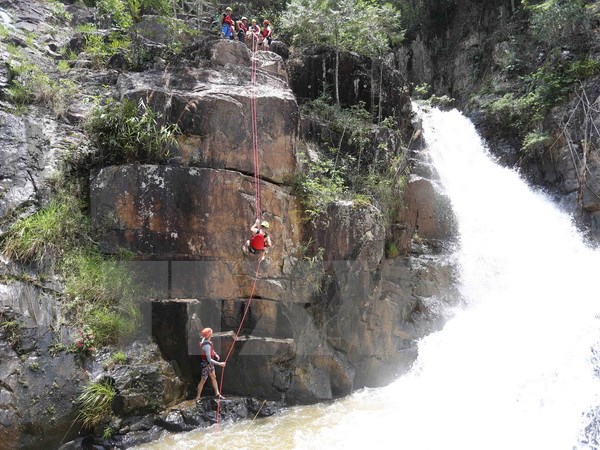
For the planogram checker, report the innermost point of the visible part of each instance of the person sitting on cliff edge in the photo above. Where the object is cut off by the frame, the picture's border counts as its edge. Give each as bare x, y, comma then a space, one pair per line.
260, 240
208, 360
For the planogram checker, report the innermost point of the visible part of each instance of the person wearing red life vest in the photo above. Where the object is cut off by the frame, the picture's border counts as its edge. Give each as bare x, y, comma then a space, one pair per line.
267, 32
208, 360
260, 240
227, 24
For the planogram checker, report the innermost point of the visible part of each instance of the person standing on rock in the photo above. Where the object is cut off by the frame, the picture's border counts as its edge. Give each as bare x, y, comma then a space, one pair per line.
242, 26
208, 359
267, 33
227, 25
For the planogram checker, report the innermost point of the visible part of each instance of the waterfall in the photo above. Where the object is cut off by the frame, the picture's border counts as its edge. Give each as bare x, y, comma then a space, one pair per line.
513, 368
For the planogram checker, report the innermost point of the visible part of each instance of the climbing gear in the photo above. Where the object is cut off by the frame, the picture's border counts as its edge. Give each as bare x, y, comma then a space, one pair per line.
264, 224
255, 151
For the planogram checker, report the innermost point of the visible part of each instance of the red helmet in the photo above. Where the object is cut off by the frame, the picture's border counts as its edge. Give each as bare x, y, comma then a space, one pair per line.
266, 22
206, 332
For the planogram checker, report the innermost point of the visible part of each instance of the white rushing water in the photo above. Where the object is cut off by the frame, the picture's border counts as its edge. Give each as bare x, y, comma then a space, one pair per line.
510, 371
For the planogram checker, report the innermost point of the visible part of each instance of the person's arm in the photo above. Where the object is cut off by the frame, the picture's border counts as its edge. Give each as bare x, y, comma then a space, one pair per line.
255, 227
268, 241
206, 348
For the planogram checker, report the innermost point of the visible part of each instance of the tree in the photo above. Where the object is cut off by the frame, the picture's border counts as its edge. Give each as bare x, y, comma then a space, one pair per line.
366, 27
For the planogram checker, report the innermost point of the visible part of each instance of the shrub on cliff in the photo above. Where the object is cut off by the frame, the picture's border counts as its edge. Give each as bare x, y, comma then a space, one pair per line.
126, 131
45, 236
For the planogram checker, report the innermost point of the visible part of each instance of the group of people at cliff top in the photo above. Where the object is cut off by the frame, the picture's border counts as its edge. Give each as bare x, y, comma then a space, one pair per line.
240, 30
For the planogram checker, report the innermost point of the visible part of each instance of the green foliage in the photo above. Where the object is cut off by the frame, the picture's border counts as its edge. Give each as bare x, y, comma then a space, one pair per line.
63, 66
29, 84
108, 433
323, 183
101, 47
554, 20
126, 131
535, 140
422, 91
103, 294
59, 11
46, 235
95, 403
547, 86
516, 112
351, 168
553, 82
354, 123
391, 250
117, 10
351, 25
111, 325
385, 185
119, 358
11, 327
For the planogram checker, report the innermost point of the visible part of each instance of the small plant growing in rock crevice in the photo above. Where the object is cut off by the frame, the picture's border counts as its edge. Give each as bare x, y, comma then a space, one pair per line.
95, 403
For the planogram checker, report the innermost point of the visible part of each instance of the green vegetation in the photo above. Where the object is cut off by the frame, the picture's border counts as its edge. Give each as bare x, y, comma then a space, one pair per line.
352, 166
119, 358
124, 131
549, 85
391, 250
11, 327
95, 403
101, 47
535, 140
347, 25
553, 21
48, 234
29, 84
322, 184
101, 294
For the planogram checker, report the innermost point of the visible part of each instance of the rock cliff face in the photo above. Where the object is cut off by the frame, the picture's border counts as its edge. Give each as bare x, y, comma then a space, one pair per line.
314, 333
317, 327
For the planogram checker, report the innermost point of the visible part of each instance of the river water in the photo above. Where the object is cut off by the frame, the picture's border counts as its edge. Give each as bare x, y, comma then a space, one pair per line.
511, 370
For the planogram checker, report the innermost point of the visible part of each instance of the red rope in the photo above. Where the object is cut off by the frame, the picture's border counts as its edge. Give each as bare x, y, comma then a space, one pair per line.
256, 156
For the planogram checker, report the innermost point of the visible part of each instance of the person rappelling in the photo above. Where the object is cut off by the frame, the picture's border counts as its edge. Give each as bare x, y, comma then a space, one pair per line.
260, 240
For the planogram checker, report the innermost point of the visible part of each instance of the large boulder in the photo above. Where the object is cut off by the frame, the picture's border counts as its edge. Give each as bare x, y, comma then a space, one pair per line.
213, 110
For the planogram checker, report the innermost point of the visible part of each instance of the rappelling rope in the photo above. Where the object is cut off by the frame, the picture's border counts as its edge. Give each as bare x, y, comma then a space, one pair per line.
255, 152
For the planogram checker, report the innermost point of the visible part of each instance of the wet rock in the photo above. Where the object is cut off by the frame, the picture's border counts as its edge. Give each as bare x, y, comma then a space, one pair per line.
145, 383
38, 379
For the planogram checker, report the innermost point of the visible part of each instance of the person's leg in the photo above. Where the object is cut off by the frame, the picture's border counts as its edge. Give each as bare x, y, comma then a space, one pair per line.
215, 385
200, 387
